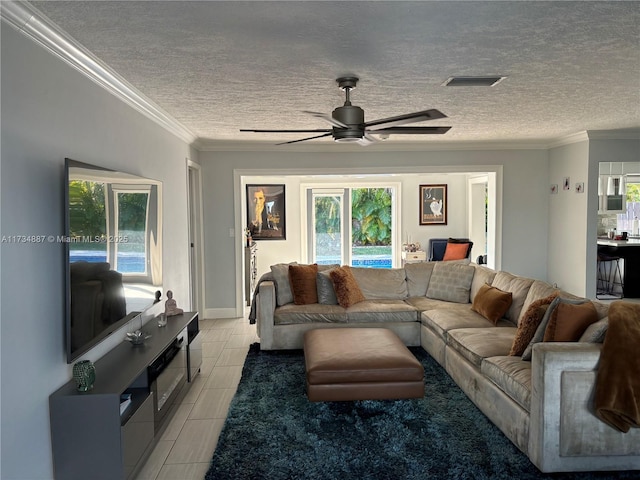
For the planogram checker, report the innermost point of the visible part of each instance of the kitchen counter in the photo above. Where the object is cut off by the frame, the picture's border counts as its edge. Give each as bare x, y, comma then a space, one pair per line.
631, 242
629, 252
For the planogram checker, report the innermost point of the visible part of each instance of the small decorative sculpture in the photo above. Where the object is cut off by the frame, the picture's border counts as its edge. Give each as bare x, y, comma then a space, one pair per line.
170, 306
84, 373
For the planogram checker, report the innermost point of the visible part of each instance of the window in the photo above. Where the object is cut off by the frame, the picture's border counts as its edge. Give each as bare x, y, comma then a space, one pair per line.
625, 221
354, 225
130, 243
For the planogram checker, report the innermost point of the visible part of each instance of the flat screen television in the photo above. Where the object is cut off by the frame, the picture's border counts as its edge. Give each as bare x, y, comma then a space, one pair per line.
113, 251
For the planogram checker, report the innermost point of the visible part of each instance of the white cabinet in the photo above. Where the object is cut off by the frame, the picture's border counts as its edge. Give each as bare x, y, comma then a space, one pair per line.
414, 257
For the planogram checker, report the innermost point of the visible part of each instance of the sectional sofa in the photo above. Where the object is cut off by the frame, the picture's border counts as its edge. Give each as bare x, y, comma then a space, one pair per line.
543, 405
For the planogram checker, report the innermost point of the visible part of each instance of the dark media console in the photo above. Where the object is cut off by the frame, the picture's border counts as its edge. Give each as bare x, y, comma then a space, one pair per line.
93, 435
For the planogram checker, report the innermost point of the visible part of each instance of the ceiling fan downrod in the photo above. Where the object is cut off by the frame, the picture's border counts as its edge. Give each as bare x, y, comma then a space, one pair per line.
347, 84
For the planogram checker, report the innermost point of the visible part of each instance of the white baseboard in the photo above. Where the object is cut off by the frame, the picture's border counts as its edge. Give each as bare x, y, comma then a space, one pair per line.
221, 313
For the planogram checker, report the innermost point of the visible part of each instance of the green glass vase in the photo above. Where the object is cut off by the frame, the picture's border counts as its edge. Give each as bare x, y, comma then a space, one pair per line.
84, 373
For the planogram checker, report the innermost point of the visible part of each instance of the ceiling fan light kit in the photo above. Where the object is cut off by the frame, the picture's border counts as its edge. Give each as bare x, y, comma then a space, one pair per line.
348, 125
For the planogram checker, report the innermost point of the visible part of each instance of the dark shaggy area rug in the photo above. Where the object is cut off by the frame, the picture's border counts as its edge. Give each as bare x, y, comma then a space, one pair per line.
273, 432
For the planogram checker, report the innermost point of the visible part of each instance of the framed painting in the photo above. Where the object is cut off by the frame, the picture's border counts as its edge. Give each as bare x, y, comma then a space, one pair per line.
266, 218
433, 204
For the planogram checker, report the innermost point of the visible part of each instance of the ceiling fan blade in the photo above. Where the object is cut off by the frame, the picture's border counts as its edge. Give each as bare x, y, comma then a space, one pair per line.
422, 116
304, 139
411, 130
326, 118
324, 130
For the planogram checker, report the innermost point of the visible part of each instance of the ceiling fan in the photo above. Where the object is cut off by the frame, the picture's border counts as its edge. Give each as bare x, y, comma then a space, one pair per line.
349, 125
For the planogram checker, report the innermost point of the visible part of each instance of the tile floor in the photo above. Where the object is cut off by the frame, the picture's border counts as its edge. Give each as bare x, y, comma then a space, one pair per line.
184, 450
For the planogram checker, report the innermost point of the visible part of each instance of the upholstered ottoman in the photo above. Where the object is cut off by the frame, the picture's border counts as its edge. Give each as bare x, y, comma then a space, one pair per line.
360, 364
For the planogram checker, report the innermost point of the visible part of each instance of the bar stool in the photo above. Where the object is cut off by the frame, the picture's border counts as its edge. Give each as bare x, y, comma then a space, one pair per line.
609, 277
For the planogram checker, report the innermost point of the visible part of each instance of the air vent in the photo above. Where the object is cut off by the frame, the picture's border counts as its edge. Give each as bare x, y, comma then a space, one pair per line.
472, 81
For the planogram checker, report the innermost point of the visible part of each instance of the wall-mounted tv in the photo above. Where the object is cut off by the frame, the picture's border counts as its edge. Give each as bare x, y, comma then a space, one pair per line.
113, 251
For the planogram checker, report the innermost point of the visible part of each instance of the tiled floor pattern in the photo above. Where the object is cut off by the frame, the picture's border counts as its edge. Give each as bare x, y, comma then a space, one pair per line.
186, 446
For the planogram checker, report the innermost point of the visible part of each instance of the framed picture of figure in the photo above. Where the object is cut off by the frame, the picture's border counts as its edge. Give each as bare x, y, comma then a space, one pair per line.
266, 217
433, 204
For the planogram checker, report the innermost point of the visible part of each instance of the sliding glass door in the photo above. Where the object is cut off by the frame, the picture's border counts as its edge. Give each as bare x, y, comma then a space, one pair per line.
352, 226
327, 227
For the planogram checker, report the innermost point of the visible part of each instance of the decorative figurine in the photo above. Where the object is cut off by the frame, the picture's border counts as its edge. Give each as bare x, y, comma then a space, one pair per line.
84, 373
170, 306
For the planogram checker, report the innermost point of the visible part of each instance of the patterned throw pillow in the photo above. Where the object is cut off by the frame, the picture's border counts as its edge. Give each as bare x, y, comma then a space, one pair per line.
303, 283
347, 290
491, 303
451, 282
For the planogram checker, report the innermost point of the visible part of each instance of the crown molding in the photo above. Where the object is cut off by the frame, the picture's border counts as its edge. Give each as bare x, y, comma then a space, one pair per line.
620, 134
569, 139
35, 25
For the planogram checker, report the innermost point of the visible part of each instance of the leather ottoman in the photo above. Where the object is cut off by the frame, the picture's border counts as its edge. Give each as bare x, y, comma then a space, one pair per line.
360, 364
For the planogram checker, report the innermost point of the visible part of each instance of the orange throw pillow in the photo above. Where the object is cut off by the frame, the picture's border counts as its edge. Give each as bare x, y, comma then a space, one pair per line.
347, 290
491, 302
455, 251
303, 283
568, 322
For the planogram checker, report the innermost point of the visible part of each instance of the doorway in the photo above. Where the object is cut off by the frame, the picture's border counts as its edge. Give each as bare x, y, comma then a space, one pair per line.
196, 243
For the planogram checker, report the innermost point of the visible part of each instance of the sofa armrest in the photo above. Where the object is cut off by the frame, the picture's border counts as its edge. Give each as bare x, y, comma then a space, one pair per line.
564, 432
265, 308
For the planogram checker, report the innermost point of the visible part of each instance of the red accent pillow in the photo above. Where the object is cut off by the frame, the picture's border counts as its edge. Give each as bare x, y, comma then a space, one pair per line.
456, 251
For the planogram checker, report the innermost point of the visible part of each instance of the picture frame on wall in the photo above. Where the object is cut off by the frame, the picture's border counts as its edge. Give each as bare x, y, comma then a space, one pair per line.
266, 213
433, 204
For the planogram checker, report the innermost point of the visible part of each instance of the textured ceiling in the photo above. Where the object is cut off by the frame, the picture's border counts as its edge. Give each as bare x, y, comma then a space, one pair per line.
217, 67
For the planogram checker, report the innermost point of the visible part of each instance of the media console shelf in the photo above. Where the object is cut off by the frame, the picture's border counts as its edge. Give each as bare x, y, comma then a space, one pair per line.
91, 437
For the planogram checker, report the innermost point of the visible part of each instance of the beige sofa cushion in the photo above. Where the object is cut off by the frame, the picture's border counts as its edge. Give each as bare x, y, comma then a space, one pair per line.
418, 276
537, 291
482, 276
512, 375
442, 320
381, 283
423, 304
280, 272
313, 313
451, 282
476, 344
518, 286
382, 311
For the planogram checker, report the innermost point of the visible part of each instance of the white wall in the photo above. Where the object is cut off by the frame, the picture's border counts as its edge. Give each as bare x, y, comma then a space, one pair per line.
568, 239
49, 112
271, 252
524, 199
